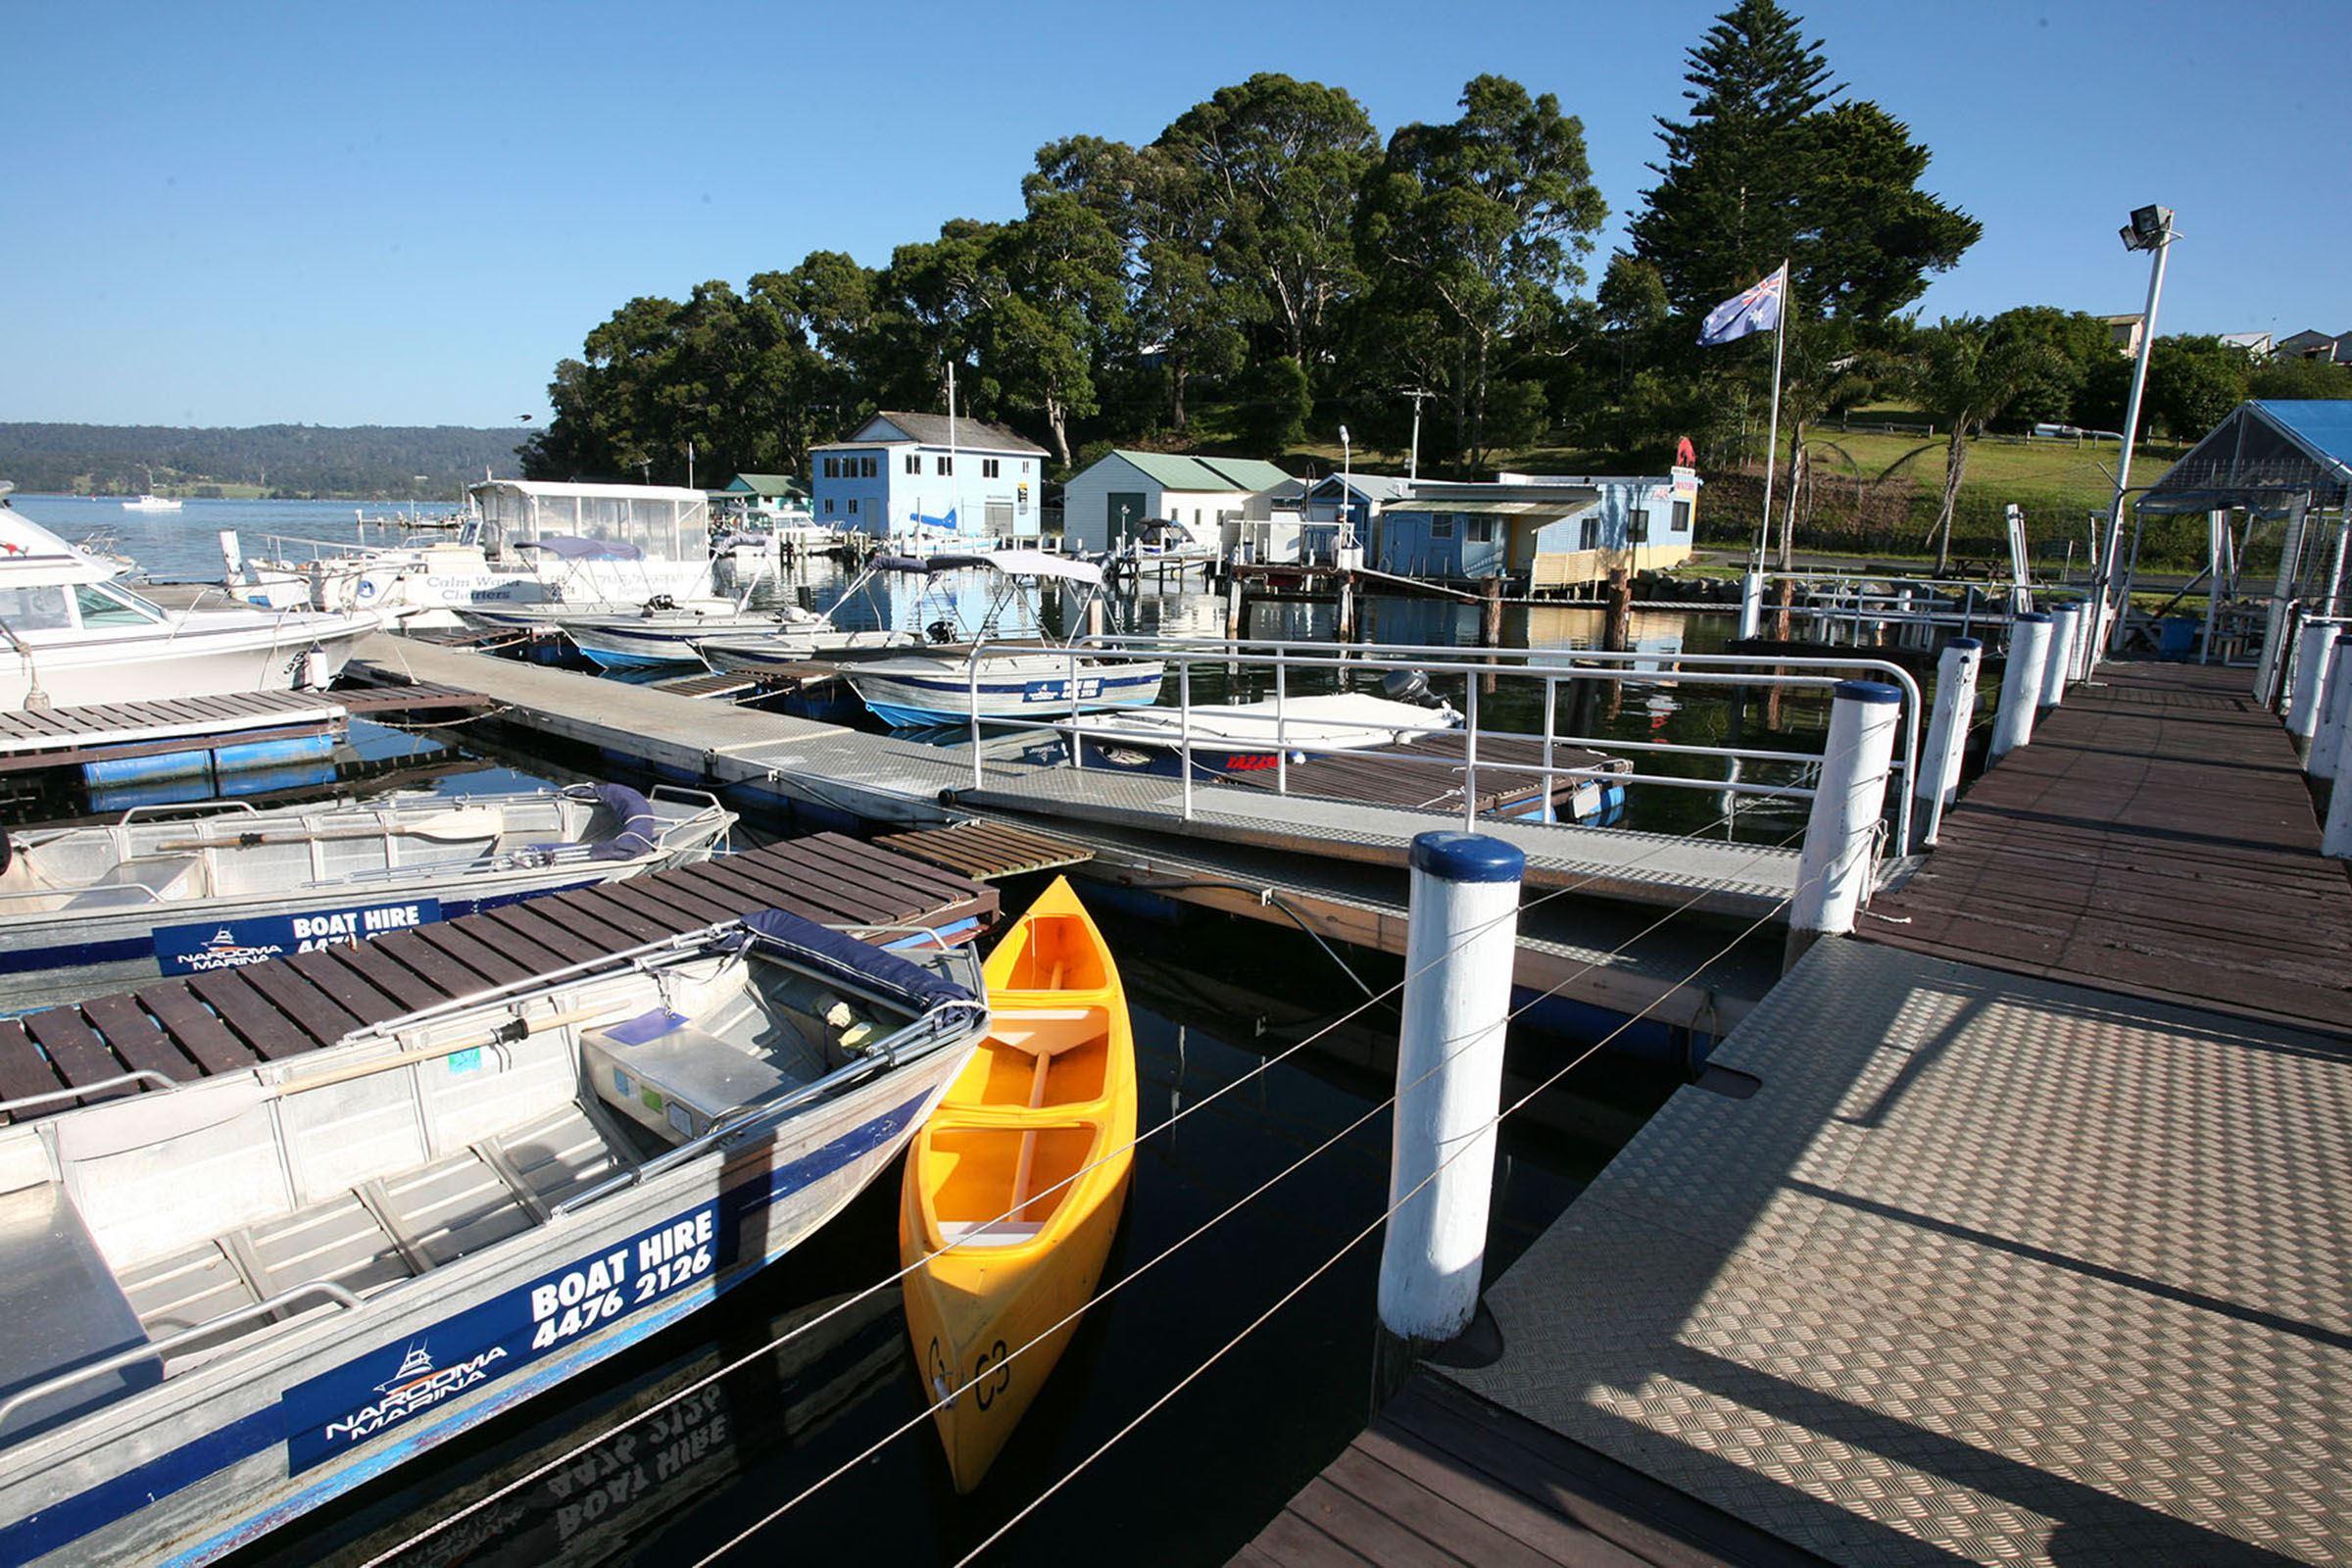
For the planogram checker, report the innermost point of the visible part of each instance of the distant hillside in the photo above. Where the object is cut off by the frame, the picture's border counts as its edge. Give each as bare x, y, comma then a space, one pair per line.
368, 462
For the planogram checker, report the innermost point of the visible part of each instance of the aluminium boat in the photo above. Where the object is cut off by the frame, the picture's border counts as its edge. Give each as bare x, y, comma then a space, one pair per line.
1014, 1186
160, 893
232, 1300
72, 633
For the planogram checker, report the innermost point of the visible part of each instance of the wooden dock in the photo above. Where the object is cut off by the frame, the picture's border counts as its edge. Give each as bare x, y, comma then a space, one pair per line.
2156, 838
224, 1019
2011, 1256
33, 739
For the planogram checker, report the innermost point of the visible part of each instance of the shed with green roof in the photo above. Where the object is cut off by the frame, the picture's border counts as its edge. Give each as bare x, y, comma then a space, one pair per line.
1112, 498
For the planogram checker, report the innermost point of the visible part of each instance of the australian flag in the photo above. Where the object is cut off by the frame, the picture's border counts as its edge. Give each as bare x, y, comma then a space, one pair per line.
1757, 310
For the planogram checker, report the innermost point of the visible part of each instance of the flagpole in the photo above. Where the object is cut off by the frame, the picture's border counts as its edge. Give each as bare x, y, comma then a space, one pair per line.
1772, 440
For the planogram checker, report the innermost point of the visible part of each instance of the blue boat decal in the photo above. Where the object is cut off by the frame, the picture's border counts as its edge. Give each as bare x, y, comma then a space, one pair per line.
202, 944
327, 1415
119, 1497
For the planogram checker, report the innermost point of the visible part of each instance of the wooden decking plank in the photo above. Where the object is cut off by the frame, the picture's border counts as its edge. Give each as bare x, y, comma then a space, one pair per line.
76, 1050
351, 990
505, 940
194, 1028
403, 983
24, 1071
495, 967
311, 1010
1365, 1531
251, 1014
642, 921
920, 881
921, 889
135, 1037
821, 899
762, 894
530, 926
572, 919
1437, 1502
447, 976
676, 901
1296, 1543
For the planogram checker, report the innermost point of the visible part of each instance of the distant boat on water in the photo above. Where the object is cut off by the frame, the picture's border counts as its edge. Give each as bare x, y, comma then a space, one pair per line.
149, 500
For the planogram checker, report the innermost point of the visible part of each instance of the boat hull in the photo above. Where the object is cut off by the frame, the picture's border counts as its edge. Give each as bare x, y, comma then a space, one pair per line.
909, 696
196, 660
232, 1457
125, 933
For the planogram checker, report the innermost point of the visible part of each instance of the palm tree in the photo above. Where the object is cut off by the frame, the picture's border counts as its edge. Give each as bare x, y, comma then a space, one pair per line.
1964, 373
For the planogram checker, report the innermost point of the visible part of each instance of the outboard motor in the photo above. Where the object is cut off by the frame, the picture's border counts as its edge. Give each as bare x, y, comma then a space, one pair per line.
1407, 686
940, 631
657, 604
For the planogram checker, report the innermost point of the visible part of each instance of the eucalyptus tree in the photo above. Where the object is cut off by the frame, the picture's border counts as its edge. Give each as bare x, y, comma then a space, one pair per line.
1279, 164
1478, 224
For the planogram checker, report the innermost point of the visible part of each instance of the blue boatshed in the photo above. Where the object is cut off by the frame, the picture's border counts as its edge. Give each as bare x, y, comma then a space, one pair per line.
1547, 530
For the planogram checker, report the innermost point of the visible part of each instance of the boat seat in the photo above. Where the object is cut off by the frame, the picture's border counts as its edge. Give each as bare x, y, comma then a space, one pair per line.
63, 1309
983, 1233
375, 1236
125, 886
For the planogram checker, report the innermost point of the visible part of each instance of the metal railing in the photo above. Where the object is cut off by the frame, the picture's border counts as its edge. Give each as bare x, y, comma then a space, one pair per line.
1063, 712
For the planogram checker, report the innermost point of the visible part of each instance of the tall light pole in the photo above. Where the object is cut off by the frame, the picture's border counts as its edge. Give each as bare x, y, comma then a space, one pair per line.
2151, 231
1347, 492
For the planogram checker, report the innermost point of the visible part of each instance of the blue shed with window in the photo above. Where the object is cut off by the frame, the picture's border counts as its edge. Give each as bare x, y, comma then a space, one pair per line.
1546, 531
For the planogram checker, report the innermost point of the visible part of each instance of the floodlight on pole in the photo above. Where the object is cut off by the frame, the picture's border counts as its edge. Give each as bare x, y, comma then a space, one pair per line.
1347, 492
2150, 229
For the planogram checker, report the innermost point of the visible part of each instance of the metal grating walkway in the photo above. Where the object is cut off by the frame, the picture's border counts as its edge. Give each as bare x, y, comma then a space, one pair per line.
1733, 879
1989, 1268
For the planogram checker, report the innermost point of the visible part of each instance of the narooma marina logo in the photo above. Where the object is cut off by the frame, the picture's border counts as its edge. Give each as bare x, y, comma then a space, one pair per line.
417, 1386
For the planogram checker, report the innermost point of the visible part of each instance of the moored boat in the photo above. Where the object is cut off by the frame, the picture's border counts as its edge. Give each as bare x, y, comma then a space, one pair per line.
163, 893
237, 1298
71, 633
967, 674
1014, 1186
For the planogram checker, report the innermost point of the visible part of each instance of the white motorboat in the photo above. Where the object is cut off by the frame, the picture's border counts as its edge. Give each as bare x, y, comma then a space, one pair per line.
967, 673
160, 893
71, 633
1227, 738
235, 1300
147, 503
782, 647
658, 535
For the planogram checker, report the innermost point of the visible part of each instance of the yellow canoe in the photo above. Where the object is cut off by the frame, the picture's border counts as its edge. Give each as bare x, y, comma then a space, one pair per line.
1002, 1222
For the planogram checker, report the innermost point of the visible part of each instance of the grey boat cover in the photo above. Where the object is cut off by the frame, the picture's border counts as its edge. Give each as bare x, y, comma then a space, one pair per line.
846, 958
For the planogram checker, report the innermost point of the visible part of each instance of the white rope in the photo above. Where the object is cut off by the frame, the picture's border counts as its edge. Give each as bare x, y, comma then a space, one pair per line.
1349, 1246
1199, 1104
1208, 1225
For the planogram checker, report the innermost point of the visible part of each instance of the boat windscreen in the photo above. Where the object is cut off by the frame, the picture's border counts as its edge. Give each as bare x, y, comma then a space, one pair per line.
570, 547
846, 958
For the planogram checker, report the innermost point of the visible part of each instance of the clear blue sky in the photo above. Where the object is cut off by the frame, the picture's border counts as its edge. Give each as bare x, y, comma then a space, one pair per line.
405, 213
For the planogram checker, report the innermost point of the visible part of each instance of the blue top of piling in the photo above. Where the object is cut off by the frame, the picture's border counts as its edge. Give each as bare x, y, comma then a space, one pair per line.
1867, 690
1965, 642
2031, 615
1467, 858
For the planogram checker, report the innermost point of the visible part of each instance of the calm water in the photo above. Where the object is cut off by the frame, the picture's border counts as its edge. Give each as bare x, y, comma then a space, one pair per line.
1214, 998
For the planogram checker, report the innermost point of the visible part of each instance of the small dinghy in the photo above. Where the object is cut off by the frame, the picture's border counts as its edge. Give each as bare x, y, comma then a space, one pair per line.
168, 894
1015, 1184
231, 1301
